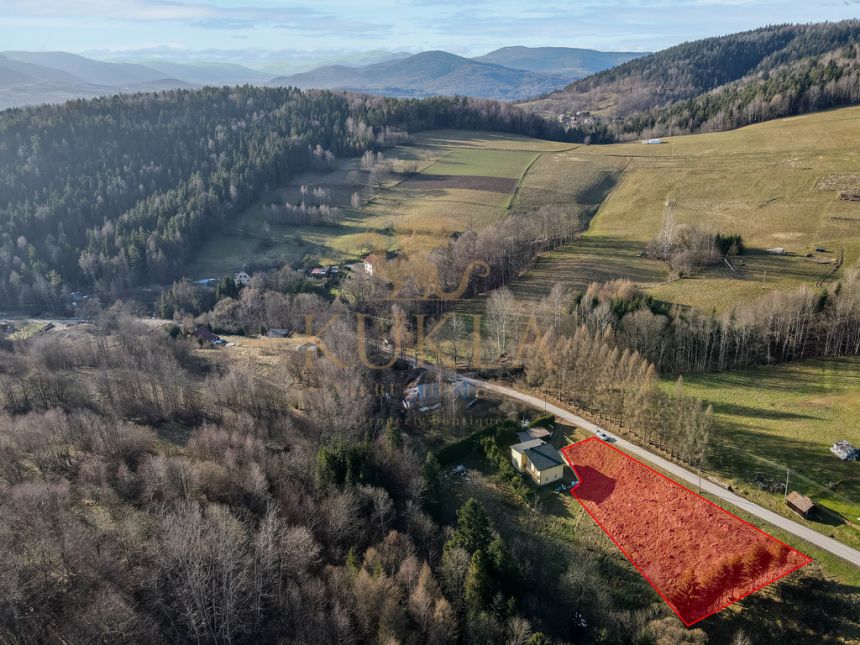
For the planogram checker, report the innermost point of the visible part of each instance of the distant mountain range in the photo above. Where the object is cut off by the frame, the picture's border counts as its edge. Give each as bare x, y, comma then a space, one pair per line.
511, 73
274, 62
27, 78
560, 61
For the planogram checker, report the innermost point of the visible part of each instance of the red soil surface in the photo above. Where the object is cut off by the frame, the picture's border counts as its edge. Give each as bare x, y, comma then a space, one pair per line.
699, 557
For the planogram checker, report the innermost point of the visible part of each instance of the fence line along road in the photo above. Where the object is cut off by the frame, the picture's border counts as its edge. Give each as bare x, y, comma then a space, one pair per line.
813, 537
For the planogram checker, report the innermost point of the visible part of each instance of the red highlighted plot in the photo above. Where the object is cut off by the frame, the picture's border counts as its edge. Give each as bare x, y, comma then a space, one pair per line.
699, 557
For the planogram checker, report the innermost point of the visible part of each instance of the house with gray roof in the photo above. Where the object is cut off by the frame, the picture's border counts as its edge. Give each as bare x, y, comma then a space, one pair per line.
539, 460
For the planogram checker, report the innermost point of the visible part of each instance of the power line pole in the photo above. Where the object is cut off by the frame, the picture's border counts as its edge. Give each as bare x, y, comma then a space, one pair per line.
785, 495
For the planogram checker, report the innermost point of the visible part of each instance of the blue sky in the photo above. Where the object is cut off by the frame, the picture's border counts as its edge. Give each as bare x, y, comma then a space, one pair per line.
461, 26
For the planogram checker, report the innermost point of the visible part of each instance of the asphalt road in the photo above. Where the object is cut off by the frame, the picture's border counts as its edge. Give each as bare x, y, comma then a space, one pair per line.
813, 537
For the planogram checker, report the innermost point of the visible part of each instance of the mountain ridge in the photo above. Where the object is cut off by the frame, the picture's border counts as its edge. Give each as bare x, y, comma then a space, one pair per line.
429, 73
720, 82
29, 78
573, 61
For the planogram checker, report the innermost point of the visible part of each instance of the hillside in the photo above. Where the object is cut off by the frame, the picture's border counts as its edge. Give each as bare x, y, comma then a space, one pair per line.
511, 73
565, 61
433, 185
86, 70
96, 206
429, 74
16, 72
206, 73
723, 82
777, 184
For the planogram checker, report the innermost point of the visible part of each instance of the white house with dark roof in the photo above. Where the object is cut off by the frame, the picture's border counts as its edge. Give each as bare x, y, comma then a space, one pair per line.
539, 460
370, 263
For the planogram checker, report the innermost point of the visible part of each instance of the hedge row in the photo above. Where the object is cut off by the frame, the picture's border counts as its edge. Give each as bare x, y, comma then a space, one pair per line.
504, 433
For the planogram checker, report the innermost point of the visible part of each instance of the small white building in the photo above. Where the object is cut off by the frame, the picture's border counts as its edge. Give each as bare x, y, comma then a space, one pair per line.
242, 278
539, 460
845, 451
370, 262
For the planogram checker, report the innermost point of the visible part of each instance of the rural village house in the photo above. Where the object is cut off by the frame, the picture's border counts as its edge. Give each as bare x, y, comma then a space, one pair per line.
203, 333
539, 460
370, 262
533, 433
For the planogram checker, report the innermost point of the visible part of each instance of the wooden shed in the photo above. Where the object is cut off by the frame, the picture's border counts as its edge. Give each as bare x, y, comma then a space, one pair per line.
800, 504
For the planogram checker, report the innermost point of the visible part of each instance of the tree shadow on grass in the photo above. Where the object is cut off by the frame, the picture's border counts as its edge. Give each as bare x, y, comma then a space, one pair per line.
736, 409
595, 486
743, 455
806, 377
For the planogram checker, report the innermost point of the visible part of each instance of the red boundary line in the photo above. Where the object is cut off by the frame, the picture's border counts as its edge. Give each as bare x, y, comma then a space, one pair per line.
672, 481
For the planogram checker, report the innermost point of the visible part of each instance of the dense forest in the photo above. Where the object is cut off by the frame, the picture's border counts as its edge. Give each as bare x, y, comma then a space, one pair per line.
815, 83
721, 83
113, 193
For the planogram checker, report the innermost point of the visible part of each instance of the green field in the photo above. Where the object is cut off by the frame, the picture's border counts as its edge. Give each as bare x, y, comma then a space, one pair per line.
465, 179
775, 183
770, 419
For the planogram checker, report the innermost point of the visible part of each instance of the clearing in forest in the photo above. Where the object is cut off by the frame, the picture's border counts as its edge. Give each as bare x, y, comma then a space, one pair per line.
464, 179
698, 557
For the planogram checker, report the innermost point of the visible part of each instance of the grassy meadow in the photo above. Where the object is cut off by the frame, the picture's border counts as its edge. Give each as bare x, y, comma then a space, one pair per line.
769, 419
463, 179
774, 183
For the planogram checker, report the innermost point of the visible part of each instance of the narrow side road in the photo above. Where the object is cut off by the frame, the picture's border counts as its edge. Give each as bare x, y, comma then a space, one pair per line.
813, 537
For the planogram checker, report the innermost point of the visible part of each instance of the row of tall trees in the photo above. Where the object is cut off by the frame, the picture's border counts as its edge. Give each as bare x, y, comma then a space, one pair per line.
593, 373
779, 326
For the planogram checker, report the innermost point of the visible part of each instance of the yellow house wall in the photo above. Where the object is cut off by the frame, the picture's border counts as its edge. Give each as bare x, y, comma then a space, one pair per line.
519, 460
553, 474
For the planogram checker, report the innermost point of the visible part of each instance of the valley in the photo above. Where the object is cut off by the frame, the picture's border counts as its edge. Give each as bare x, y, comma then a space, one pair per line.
430, 189
337, 342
